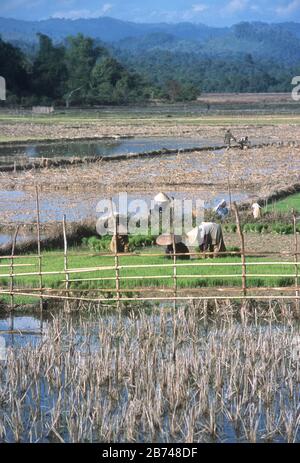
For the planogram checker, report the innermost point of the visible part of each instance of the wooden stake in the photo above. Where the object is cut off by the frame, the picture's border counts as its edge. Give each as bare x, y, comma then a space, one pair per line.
296, 259
117, 272
244, 266
13, 246
67, 284
38, 228
174, 250
228, 180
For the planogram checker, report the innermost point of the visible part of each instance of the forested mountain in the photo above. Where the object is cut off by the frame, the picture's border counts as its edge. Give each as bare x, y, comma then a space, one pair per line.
277, 41
228, 73
106, 29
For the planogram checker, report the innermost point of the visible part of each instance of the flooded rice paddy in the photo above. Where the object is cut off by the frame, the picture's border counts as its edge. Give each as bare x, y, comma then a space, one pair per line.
20, 207
102, 148
164, 374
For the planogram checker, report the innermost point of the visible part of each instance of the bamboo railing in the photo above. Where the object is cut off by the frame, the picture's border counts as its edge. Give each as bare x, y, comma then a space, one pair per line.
73, 279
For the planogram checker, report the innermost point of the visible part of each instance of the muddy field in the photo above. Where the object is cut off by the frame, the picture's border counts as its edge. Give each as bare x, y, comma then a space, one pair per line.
259, 170
208, 127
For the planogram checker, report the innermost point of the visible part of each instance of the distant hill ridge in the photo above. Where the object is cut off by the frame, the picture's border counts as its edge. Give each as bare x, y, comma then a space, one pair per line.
280, 42
104, 28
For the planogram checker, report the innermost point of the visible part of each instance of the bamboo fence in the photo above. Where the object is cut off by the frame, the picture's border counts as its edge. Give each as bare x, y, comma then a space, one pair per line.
72, 278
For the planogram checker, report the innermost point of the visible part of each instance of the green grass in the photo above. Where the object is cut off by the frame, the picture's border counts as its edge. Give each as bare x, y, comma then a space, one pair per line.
54, 261
286, 204
140, 117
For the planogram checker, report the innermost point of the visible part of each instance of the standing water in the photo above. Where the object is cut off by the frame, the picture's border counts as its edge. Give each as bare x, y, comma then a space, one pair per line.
152, 375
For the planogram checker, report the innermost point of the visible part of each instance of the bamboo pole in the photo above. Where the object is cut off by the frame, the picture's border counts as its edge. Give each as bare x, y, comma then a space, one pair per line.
228, 179
67, 277
179, 298
228, 289
39, 242
117, 268
296, 259
138, 254
21, 332
186, 264
172, 217
174, 268
16, 265
244, 267
229, 193
13, 246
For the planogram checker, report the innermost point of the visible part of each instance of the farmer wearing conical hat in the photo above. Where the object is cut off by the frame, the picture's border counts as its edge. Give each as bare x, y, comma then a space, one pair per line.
180, 248
256, 210
208, 236
222, 210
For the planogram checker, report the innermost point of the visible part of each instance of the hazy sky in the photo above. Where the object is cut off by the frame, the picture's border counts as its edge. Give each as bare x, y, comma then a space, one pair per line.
214, 12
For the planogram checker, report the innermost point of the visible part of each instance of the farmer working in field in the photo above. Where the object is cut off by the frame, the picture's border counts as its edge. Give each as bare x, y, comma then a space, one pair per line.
228, 138
222, 210
119, 243
209, 237
244, 142
180, 248
256, 210
117, 225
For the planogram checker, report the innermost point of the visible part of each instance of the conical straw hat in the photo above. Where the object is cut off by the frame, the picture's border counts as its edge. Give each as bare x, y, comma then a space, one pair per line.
166, 240
162, 198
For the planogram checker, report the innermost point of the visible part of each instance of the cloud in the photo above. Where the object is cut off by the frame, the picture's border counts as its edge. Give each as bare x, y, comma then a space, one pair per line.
107, 7
236, 6
199, 8
84, 13
288, 9
193, 13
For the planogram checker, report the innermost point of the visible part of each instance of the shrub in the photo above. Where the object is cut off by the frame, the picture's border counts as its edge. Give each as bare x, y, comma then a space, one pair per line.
282, 229
247, 228
141, 241
97, 244
259, 227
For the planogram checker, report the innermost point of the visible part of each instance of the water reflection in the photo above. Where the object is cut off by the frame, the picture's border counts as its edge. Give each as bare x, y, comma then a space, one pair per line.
99, 148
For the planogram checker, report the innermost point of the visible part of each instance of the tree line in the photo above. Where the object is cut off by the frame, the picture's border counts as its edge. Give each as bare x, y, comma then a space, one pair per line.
78, 72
